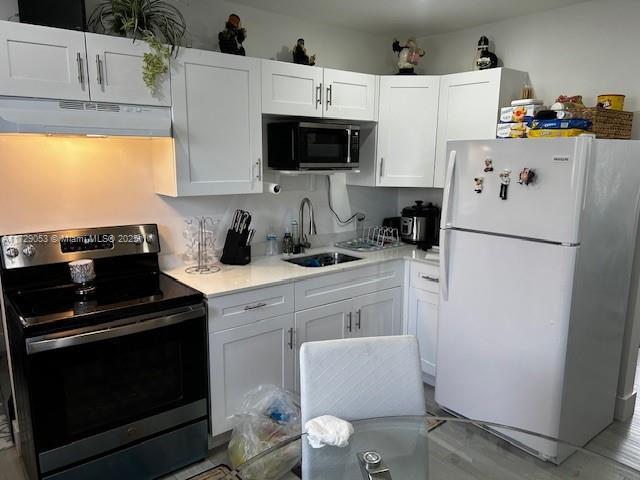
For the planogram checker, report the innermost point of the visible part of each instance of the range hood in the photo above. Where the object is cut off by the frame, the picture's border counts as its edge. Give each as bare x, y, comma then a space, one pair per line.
77, 117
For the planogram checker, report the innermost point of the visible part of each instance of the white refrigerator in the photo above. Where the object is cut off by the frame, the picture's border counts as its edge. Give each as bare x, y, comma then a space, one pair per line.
535, 283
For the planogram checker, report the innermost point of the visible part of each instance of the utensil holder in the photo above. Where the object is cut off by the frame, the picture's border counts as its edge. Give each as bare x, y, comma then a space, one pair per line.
236, 251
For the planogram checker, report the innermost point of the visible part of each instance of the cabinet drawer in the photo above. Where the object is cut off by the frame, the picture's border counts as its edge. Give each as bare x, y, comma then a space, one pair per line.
341, 286
425, 277
247, 307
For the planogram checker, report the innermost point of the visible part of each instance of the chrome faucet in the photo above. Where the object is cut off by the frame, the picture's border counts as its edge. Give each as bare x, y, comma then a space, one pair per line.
304, 241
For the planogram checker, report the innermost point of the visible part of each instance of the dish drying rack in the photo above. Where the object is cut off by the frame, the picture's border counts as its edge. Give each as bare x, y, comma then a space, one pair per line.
373, 239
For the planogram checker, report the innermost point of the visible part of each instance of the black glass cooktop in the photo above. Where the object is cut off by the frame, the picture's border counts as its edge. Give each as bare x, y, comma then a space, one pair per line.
114, 297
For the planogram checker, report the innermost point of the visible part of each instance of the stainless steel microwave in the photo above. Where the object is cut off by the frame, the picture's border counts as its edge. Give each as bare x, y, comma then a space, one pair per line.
313, 146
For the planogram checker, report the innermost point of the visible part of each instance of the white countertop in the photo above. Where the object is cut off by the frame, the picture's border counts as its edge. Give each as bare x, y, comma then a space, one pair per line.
267, 271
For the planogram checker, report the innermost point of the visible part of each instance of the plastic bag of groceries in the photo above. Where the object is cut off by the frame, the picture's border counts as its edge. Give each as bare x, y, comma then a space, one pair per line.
268, 415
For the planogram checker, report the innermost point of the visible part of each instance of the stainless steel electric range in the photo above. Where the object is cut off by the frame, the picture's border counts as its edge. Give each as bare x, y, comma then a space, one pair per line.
109, 355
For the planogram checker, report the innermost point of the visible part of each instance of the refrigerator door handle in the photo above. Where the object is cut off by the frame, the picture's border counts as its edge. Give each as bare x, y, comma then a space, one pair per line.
448, 190
444, 264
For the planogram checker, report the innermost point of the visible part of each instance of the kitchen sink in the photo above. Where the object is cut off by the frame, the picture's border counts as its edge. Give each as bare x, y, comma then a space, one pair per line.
323, 259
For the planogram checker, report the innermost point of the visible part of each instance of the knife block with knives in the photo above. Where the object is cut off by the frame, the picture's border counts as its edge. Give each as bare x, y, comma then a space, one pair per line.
237, 246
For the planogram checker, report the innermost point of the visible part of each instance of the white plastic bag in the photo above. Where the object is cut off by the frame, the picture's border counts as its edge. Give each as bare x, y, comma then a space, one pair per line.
268, 415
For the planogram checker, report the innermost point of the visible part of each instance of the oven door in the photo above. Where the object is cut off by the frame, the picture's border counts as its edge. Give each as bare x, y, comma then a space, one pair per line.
324, 146
99, 388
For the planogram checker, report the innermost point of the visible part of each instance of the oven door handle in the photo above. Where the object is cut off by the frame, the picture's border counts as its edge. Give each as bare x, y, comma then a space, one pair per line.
54, 342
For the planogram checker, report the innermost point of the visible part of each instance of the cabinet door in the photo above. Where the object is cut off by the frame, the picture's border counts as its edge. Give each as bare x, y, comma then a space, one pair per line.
115, 72
349, 95
291, 89
327, 322
42, 62
407, 128
245, 357
378, 314
423, 323
217, 123
469, 104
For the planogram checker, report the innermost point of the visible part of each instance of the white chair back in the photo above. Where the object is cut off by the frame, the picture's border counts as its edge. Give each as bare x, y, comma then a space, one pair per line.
361, 378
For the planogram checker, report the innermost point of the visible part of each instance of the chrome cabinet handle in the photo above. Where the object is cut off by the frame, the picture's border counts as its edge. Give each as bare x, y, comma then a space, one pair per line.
358, 318
259, 174
257, 305
80, 69
430, 278
318, 95
329, 95
381, 167
349, 323
291, 338
99, 70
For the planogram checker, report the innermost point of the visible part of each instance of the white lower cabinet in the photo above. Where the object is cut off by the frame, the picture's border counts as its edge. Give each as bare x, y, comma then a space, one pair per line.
244, 357
255, 336
327, 322
372, 315
422, 320
378, 314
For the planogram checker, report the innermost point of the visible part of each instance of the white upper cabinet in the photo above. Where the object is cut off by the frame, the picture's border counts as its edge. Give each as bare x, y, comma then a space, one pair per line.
407, 125
115, 72
291, 89
349, 95
304, 91
469, 107
217, 126
43, 62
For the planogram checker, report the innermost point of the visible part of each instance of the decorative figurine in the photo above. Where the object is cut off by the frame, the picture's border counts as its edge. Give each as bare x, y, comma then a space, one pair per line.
505, 180
300, 54
484, 58
488, 165
526, 176
478, 183
409, 55
232, 37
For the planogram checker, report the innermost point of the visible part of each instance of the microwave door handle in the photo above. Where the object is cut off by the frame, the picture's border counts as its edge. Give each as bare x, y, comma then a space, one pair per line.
348, 145
50, 342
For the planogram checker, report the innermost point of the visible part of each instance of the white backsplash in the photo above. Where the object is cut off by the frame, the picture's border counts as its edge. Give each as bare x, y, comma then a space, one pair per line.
59, 183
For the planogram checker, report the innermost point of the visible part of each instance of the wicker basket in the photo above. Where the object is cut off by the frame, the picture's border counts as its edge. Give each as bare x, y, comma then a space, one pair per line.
614, 124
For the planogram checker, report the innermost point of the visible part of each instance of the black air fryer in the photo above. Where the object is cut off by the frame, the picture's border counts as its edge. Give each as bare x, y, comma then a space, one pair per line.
69, 14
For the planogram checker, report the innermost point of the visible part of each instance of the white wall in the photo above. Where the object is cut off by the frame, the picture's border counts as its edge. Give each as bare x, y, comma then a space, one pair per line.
56, 183
271, 35
589, 49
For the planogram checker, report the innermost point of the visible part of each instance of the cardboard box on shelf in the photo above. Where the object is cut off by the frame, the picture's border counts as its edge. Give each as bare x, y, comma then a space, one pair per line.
512, 130
518, 114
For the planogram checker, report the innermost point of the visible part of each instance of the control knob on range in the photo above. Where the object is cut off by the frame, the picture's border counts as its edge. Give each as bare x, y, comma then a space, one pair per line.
29, 250
11, 252
151, 238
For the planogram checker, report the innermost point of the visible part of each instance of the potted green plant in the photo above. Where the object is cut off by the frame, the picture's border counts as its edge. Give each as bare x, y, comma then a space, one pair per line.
157, 22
